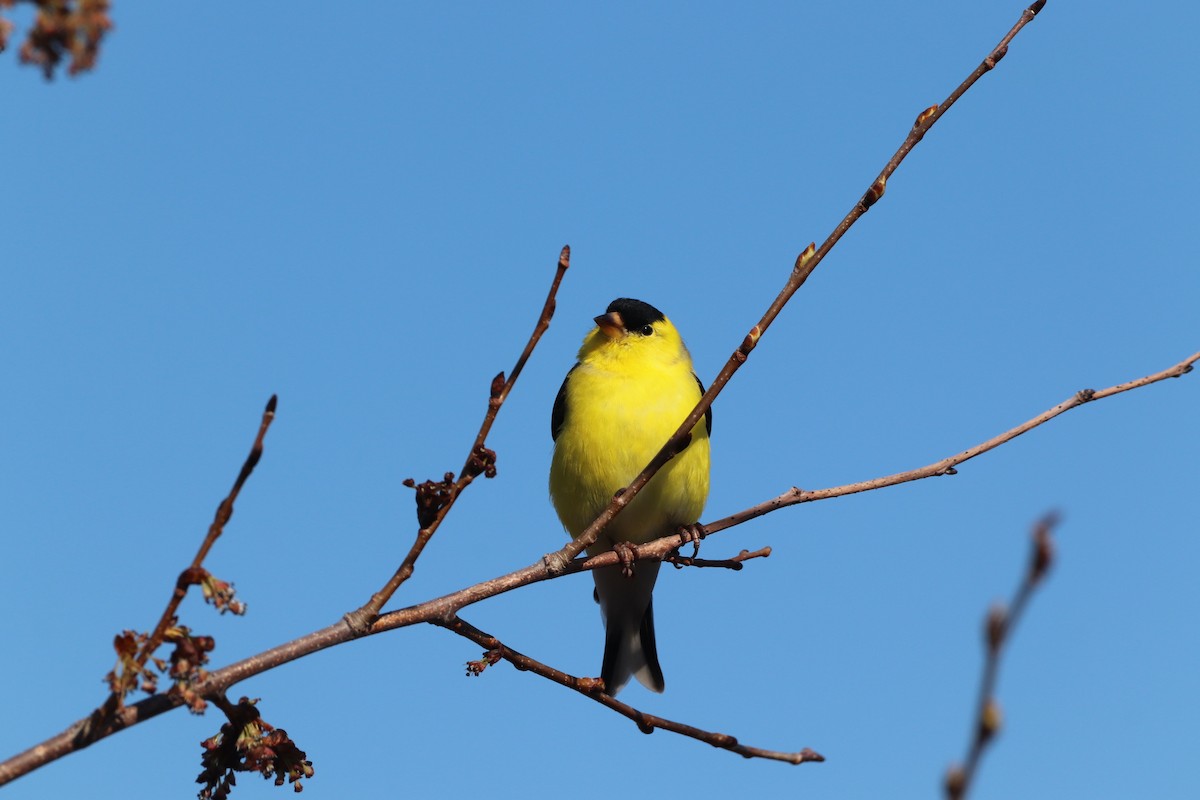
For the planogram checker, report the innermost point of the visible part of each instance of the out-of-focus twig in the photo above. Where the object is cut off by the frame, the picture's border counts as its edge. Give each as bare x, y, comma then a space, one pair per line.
998, 630
435, 499
591, 687
806, 262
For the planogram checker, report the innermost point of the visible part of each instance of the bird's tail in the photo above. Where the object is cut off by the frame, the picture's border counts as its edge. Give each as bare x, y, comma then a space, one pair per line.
629, 647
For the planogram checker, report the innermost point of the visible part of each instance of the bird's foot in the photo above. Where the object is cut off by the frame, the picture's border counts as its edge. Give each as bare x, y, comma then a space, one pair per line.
692, 533
627, 554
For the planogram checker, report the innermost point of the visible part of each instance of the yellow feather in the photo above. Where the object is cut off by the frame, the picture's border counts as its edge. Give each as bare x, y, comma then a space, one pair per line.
625, 397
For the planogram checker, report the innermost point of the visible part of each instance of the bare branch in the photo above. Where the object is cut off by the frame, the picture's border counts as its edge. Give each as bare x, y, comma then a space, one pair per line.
435, 500
947, 466
734, 563
806, 262
591, 687
998, 630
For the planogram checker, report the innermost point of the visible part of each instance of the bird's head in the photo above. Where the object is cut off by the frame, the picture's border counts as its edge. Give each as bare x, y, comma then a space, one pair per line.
632, 333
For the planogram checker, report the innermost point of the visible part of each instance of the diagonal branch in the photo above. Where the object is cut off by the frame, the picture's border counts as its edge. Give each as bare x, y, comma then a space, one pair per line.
591, 687
806, 262
441, 496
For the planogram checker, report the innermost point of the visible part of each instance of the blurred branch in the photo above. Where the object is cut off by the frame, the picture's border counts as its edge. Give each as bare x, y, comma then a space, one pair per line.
61, 27
806, 262
947, 466
592, 688
998, 630
435, 499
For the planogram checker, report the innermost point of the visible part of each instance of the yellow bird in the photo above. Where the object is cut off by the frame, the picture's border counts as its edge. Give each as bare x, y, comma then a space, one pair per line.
631, 388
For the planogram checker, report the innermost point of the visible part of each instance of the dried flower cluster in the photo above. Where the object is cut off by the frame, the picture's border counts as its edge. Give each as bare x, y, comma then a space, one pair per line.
248, 743
61, 27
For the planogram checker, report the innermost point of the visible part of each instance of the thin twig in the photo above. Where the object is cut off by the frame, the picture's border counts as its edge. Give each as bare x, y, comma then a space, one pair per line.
194, 574
947, 465
479, 460
734, 563
998, 630
806, 262
590, 687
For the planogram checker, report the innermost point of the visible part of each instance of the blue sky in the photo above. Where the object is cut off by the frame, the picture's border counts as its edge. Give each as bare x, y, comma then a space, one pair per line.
361, 211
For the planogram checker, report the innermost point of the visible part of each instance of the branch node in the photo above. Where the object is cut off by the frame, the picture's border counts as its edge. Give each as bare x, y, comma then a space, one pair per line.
556, 564
359, 621
1085, 395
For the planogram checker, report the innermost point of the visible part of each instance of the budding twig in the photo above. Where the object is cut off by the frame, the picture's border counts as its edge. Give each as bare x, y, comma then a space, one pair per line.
434, 500
806, 262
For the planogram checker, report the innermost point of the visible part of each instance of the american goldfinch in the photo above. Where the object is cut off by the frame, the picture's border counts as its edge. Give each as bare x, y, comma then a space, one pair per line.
631, 388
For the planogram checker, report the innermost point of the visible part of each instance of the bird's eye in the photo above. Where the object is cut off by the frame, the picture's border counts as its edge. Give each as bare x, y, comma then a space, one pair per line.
646, 330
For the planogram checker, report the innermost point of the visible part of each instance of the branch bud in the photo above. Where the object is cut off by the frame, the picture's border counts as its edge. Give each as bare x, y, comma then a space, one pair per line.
924, 115
874, 193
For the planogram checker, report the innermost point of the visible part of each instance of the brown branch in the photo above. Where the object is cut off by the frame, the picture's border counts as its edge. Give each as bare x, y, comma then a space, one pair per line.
806, 262
222, 516
443, 610
591, 688
131, 670
947, 466
998, 630
479, 460
734, 563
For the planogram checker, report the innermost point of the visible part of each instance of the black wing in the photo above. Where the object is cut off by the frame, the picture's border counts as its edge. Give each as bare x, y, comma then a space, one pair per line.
707, 414
559, 414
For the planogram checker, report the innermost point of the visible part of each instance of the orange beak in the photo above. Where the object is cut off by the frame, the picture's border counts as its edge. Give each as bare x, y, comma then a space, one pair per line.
611, 324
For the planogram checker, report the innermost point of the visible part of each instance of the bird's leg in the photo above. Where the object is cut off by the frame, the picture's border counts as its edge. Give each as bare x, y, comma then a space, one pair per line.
627, 554
692, 533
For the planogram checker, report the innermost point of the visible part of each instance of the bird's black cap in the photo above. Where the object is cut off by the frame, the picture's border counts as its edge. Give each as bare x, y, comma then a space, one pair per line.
634, 313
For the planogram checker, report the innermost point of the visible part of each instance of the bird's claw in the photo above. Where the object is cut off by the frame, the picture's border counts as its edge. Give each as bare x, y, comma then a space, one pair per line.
692, 533
627, 554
